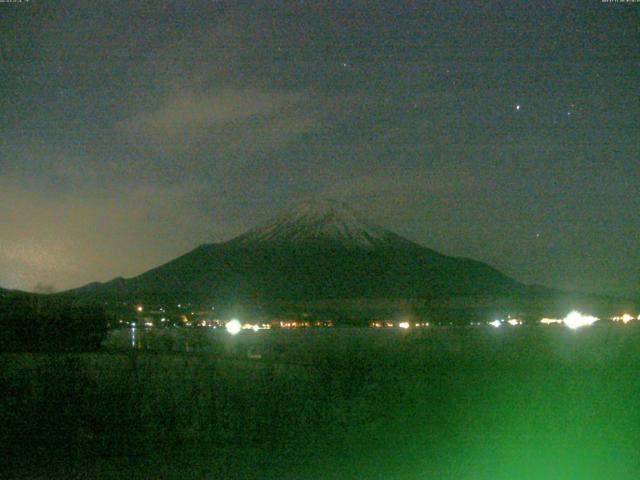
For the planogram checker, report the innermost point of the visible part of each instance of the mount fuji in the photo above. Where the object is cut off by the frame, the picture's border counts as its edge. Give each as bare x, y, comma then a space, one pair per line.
320, 250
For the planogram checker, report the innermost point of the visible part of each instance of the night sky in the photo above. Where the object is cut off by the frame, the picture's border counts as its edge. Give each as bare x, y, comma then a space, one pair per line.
507, 132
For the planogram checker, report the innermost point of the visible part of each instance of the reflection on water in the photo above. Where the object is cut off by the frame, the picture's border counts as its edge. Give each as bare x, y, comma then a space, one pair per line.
176, 340
306, 344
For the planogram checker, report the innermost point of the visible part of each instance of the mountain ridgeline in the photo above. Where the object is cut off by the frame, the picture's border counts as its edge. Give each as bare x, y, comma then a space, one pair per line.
319, 250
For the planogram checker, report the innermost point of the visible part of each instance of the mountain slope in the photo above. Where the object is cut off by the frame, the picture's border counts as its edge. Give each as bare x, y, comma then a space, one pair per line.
320, 250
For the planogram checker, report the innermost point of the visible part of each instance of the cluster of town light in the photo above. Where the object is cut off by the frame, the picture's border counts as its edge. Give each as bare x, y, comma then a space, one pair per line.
514, 322
573, 320
550, 321
404, 324
576, 320
626, 318
234, 326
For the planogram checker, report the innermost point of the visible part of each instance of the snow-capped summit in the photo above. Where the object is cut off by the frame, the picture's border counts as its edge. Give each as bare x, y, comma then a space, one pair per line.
319, 222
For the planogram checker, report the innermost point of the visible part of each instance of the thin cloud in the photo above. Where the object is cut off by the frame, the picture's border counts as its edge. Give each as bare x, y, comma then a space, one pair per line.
247, 114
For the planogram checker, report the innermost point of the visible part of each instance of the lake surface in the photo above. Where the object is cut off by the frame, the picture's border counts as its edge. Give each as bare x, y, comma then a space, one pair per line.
602, 341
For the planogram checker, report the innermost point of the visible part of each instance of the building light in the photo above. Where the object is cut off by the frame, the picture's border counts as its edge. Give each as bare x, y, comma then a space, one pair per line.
576, 320
404, 325
550, 321
233, 326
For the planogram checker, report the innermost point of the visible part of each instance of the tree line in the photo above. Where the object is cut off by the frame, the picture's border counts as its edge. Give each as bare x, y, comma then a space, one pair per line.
50, 323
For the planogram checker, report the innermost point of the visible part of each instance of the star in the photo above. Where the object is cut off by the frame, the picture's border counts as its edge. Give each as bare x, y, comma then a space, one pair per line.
518, 107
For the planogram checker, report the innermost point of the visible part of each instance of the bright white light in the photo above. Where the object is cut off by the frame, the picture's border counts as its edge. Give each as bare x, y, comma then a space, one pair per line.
514, 321
255, 328
403, 325
626, 318
576, 320
495, 323
139, 308
233, 326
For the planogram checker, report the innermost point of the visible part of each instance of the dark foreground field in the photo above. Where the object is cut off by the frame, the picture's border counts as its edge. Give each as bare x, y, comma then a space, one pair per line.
459, 404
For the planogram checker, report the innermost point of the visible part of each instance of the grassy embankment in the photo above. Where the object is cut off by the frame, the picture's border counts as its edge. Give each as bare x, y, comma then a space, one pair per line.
527, 403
